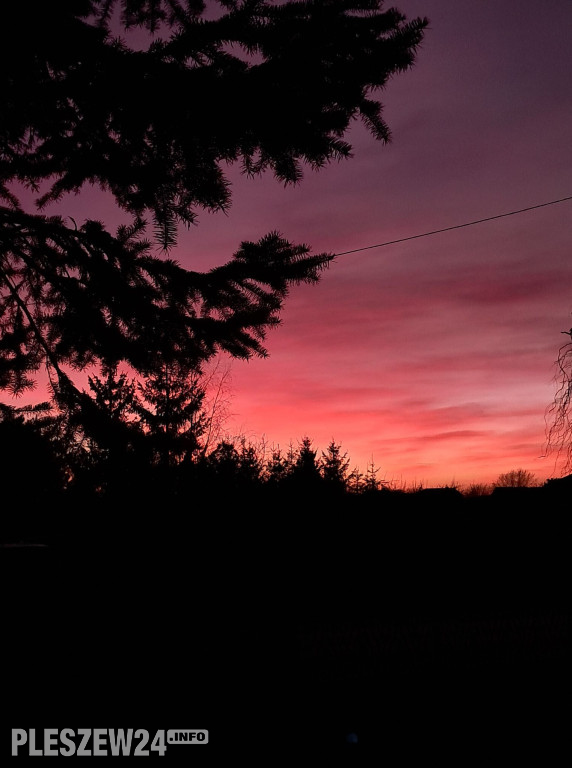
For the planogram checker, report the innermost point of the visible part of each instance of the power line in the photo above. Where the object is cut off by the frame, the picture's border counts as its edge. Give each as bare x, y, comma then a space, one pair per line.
456, 226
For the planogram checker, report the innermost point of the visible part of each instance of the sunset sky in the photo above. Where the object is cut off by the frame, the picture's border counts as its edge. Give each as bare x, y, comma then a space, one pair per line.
432, 357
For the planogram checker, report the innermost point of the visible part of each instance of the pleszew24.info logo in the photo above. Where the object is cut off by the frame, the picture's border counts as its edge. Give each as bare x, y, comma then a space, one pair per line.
100, 742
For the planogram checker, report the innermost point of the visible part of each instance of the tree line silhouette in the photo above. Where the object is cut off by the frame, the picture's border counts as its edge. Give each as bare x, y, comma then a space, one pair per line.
130, 441
133, 453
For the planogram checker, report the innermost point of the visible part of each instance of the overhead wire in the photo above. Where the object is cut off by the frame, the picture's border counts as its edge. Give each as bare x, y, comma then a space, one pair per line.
455, 226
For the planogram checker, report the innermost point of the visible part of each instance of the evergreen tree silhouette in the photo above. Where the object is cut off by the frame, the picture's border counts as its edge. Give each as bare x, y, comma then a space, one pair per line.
155, 127
334, 467
171, 413
305, 477
114, 437
277, 468
371, 484
251, 464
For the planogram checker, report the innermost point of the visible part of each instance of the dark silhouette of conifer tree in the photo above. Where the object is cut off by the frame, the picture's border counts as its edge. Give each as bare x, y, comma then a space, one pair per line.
171, 413
305, 476
277, 468
272, 87
371, 483
334, 467
116, 448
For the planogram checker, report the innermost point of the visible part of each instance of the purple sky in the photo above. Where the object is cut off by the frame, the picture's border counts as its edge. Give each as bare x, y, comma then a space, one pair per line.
435, 357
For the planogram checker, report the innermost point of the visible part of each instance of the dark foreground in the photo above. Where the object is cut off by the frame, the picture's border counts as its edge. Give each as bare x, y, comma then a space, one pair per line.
431, 634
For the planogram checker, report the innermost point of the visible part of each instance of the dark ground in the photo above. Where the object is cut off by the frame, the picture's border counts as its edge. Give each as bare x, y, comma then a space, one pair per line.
438, 634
